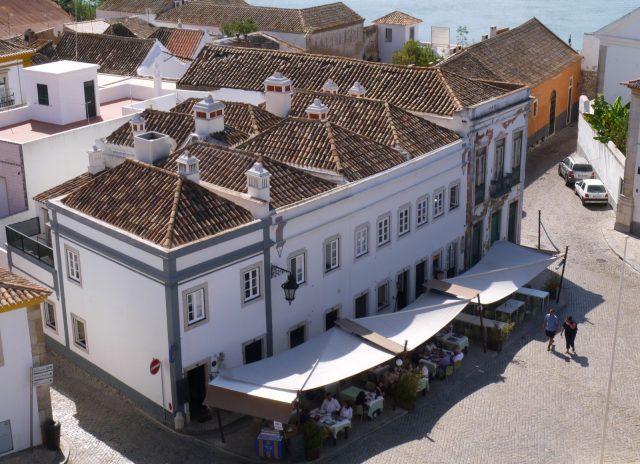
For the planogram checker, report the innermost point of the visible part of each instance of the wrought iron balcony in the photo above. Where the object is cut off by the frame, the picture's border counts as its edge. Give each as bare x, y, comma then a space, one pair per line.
500, 186
515, 176
26, 237
479, 194
7, 99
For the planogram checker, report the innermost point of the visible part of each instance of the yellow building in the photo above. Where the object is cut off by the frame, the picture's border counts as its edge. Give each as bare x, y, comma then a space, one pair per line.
12, 59
533, 55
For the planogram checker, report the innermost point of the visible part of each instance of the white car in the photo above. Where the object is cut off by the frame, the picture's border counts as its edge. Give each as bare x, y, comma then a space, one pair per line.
591, 191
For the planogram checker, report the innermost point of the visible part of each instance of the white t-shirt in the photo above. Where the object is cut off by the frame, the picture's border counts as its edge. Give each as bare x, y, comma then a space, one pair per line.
458, 356
330, 405
346, 413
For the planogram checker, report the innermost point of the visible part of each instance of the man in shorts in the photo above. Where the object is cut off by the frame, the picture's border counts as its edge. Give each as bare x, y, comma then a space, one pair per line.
550, 326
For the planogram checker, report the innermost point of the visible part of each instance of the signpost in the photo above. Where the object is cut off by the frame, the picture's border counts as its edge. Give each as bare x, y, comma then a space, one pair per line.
154, 367
40, 375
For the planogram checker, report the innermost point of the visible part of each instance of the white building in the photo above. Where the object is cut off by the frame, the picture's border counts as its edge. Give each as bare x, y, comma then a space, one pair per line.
613, 51
394, 30
13, 60
21, 348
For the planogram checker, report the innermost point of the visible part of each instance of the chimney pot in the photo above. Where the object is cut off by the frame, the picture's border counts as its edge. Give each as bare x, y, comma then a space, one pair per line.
330, 87
138, 124
208, 115
357, 90
189, 166
96, 160
152, 146
317, 111
493, 31
259, 182
277, 94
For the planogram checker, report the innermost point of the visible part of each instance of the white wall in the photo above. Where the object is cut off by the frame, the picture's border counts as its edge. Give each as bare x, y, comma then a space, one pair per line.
340, 212
589, 52
399, 35
606, 159
15, 378
15, 79
622, 63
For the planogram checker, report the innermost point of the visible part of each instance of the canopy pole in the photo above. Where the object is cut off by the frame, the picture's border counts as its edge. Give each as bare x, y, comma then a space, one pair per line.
220, 425
564, 264
484, 344
539, 222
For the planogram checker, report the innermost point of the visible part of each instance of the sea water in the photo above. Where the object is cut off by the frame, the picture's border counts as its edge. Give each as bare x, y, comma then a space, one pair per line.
564, 17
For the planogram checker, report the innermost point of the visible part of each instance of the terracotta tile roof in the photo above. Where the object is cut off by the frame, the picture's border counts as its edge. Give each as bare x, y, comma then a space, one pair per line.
398, 18
137, 26
181, 42
120, 30
528, 54
424, 90
260, 40
64, 188
378, 120
226, 167
635, 84
18, 292
242, 116
136, 6
176, 125
37, 15
156, 205
115, 55
9, 49
298, 21
324, 146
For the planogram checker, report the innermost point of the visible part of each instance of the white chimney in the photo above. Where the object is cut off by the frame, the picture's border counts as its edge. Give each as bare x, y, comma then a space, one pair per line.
208, 115
189, 166
357, 90
96, 160
157, 80
277, 94
138, 124
330, 87
151, 146
317, 111
493, 31
258, 182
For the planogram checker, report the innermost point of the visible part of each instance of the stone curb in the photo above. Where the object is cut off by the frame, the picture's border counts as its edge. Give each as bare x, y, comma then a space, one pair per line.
604, 235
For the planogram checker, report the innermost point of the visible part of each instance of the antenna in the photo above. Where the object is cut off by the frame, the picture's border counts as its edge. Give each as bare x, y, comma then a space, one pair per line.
75, 19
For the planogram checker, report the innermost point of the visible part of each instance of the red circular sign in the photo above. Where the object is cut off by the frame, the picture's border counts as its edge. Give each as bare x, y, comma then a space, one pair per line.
154, 367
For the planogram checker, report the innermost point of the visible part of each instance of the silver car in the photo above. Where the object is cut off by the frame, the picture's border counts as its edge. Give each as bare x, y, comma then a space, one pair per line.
574, 168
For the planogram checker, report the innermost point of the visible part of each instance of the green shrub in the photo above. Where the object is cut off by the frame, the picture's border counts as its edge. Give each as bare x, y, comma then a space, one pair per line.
407, 386
610, 121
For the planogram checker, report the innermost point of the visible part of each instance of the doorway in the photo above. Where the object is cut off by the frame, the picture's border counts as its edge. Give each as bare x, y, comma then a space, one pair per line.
90, 99
402, 287
253, 351
476, 242
197, 380
361, 305
420, 274
513, 222
4, 198
552, 114
495, 226
569, 101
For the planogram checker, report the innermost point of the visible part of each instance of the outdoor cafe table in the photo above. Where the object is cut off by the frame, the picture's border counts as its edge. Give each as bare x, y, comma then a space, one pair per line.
509, 308
375, 404
333, 424
423, 385
453, 341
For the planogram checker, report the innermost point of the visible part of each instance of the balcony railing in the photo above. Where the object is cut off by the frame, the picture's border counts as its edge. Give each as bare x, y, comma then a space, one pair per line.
26, 237
7, 99
515, 176
479, 194
500, 186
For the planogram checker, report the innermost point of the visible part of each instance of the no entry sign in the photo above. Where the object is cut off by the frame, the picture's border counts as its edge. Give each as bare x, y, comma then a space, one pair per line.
154, 367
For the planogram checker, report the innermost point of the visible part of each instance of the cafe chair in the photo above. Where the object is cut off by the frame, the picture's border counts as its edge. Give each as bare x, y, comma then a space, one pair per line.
449, 372
457, 365
358, 410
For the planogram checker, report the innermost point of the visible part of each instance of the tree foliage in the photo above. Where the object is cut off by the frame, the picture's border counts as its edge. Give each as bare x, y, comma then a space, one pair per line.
610, 121
81, 10
414, 53
461, 36
244, 27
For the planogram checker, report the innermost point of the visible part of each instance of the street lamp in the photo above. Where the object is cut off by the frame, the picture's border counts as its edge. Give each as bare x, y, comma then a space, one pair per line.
290, 286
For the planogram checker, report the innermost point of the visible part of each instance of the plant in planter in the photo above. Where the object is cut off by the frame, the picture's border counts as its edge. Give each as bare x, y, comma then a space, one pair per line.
552, 285
497, 336
314, 435
407, 386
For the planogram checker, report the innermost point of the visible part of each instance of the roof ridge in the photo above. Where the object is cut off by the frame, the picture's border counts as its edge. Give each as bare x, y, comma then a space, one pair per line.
252, 117
167, 242
448, 88
332, 146
107, 36
394, 132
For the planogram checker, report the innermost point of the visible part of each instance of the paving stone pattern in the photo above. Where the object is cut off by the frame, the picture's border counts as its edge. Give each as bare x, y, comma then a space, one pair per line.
524, 405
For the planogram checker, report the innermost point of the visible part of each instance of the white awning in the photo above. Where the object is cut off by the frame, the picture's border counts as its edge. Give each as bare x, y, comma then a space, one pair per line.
337, 354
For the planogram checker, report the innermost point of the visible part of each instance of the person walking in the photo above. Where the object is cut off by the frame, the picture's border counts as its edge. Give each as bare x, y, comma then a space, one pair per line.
550, 326
570, 329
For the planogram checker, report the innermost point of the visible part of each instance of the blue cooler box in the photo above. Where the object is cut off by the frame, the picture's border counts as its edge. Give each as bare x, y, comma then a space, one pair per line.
270, 445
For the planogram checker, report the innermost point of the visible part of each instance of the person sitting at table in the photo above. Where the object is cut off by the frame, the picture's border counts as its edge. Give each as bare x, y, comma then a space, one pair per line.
457, 356
379, 389
423, 369
391, 377
330, 404
430, 347
346, 412
361, 399
445, 361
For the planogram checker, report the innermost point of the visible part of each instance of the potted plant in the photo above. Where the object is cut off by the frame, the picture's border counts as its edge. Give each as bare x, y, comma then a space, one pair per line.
314, 435
497, 335
552, 285
407, 390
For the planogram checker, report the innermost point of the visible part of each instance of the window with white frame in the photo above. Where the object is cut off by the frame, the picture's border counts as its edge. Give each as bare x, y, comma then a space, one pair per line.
454, 196
383, 228
534, 107
79, 327
383, 295
297, 266
362, 240
388, 34
49, 310
404, 215
422, 210
195, 305
331, 254
73, 264
251, 283
516, 156
438, 203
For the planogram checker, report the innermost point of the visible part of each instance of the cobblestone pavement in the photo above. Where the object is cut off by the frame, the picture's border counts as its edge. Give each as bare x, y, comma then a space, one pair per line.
525, 405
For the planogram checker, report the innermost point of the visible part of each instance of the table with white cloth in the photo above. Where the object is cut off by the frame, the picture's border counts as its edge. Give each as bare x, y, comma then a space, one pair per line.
508, 309
375, 404
423, 385
453, 341
334, 424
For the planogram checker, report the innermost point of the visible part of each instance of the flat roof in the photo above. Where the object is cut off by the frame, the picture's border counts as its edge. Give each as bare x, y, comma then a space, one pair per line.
61, 67
27, 131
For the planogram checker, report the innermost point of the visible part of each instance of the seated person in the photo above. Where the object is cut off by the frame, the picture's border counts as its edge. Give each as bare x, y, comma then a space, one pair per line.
422, 369
346, 412
430, 347
390, 377
458, 355
330, 404
379, 389
361, 399
445, 361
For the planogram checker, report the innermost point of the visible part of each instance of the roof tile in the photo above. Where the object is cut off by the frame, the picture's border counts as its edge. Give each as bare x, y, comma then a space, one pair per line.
398, 18
16, 291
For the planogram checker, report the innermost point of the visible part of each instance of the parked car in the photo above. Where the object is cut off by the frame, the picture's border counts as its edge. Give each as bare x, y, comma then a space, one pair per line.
574, 168
591, 191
